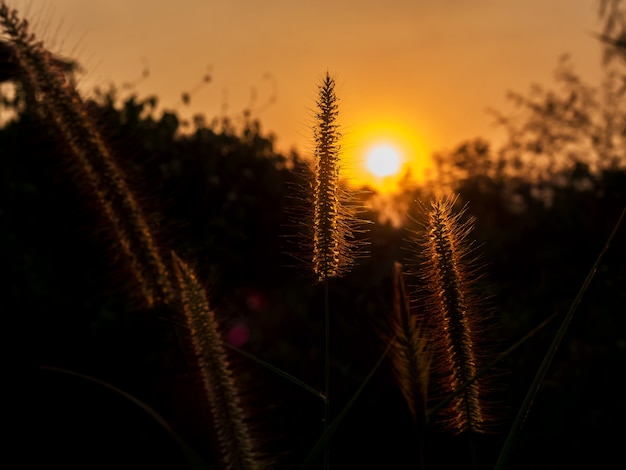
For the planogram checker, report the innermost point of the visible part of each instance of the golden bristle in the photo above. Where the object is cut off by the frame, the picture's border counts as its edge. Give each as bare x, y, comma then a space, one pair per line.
237, 448
63, 109
452, 308
326, 235
409, 351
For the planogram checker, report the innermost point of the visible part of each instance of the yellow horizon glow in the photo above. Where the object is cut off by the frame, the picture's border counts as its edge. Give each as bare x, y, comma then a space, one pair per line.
386, 136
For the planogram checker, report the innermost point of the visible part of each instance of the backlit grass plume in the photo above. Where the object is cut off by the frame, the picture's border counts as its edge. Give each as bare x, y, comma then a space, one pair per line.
411, 357
452, 309
237, 449
58, 102
333, 219
409, 352
330, 218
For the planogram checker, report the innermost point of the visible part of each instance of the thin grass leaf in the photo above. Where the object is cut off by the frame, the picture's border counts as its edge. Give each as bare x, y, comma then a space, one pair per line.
547, 360
277, 371
195, 461
322, 442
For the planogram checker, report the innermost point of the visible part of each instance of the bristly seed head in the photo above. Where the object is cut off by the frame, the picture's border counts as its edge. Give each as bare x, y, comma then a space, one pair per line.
452, 309
327, 229
57, 100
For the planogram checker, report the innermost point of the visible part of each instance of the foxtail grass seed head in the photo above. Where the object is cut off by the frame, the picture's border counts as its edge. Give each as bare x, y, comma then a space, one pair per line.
334, 219
237, 448
410, 353
61, 107
326, 238
453, 310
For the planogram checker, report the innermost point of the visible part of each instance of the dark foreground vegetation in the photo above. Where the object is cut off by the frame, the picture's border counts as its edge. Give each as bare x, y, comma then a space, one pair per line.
220, 196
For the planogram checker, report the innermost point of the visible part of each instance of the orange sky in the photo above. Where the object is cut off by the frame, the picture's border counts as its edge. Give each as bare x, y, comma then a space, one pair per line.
419, 72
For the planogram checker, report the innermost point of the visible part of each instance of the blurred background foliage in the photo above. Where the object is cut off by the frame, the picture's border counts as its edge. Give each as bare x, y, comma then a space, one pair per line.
220, 195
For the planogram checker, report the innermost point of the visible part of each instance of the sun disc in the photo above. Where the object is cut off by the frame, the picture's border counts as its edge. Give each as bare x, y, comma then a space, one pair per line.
383, 160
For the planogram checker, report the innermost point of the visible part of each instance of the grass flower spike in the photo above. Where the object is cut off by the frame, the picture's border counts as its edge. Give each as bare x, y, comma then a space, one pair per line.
328, 227
64, 111
236, 446
452, 309
410, 356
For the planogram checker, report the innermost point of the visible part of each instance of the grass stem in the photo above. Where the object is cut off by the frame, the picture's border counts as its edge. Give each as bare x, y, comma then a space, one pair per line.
547, 360
326, 370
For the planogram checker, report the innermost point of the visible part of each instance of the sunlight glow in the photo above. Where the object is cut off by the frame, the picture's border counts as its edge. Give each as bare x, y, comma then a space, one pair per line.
384, 155
383, 160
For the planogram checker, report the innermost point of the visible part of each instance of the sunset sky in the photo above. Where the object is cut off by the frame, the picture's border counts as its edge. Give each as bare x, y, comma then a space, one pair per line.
417, 75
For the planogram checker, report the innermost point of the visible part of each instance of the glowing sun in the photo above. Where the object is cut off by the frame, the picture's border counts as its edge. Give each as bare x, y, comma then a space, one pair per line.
383, 160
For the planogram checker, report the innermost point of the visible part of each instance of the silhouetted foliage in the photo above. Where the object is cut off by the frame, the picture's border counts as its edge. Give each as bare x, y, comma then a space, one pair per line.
217, 193
614, 30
